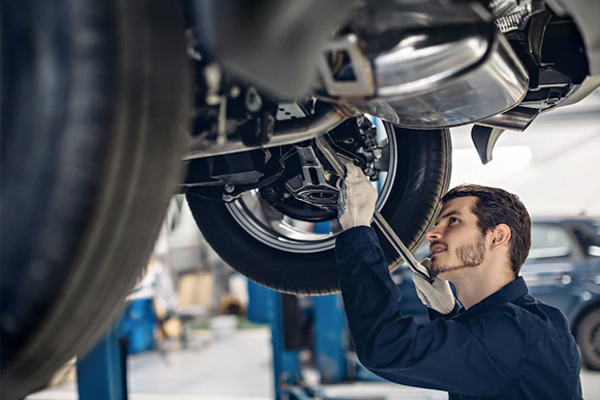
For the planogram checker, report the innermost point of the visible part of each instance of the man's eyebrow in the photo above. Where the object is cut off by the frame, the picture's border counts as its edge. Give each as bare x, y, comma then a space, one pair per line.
448, 214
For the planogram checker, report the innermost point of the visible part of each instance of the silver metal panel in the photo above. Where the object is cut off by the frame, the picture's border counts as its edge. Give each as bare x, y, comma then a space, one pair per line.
363, 83
432, 65
494, 86
287, 111
515, 119
422, 62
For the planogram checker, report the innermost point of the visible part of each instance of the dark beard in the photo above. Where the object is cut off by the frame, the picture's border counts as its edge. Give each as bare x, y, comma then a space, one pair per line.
470, 255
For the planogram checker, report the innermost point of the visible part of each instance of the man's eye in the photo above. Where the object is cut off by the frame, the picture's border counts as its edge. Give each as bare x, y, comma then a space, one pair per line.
453, 220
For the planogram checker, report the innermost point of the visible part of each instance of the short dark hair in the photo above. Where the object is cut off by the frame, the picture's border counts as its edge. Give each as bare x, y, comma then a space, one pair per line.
494, 206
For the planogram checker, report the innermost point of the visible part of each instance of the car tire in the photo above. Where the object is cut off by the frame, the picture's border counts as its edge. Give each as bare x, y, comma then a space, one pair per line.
421, 179
94, 107
588, 340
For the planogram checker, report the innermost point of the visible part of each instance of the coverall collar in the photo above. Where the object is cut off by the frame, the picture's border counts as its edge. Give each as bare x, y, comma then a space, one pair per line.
507, 294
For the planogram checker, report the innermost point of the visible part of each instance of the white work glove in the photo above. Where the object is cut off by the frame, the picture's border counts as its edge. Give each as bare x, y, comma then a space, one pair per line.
436, 295
356, 203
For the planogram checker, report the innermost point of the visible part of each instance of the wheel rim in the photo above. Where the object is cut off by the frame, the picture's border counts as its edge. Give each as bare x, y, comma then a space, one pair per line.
277, 230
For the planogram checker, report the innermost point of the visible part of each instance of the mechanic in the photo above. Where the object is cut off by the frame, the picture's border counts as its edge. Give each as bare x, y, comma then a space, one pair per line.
501, 344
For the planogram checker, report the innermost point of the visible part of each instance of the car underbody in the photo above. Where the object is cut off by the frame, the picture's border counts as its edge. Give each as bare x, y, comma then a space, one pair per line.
105, 103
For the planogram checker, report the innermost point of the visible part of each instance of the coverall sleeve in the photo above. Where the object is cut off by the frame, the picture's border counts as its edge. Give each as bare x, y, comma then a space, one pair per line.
478, 357
432, 314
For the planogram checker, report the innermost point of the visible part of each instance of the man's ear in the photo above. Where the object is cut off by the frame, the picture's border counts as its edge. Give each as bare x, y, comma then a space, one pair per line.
501, 235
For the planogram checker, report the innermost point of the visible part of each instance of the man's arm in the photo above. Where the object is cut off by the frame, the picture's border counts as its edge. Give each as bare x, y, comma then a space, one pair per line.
473, 359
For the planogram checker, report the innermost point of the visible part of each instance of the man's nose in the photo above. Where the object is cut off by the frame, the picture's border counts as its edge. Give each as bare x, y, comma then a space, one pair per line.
433, 234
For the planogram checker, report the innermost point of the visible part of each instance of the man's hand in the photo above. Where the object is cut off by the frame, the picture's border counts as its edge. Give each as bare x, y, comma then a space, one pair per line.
436, 295
356, 204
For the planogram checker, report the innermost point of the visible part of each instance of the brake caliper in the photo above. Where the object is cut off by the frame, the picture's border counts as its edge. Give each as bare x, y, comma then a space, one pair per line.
356, 140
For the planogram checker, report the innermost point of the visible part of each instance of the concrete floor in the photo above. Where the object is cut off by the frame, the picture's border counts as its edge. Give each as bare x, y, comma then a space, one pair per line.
239, 368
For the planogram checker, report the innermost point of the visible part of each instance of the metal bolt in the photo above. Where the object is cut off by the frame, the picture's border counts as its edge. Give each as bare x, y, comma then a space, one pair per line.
253, 100
213, 99
235, 92
229, 188
229, 198
377, 153
369, 171
212, 76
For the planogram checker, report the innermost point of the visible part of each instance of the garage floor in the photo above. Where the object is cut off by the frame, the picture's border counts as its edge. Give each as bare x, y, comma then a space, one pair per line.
238, 368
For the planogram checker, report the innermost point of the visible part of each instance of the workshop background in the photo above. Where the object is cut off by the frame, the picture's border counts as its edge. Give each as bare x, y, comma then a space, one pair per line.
188, 334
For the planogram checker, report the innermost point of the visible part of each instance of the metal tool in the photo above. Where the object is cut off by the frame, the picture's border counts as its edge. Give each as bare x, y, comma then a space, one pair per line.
383, 225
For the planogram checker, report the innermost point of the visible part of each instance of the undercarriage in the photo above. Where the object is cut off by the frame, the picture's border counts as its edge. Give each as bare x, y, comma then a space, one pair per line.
105, 105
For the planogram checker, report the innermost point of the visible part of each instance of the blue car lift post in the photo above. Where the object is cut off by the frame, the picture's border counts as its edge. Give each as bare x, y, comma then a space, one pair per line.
331, 342
102, 372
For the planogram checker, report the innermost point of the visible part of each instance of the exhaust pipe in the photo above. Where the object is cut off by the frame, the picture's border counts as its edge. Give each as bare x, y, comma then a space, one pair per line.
286, 132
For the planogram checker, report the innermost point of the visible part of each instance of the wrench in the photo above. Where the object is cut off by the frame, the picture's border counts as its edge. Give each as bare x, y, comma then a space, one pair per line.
383, 225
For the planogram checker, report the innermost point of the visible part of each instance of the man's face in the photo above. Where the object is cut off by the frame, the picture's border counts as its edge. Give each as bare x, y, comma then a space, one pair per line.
456, 242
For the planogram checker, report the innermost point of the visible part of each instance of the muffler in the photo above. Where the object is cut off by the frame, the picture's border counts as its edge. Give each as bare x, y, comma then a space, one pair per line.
425, 65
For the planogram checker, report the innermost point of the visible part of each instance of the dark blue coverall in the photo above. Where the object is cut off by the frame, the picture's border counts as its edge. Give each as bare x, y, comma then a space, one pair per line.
508, 346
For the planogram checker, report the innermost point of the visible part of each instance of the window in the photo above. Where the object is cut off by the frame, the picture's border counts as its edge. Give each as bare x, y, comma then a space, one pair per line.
589, 240
549, 241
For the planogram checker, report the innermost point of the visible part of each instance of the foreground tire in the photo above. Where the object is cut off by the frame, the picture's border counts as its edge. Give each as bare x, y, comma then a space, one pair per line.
588, 339
94, 109
419, 180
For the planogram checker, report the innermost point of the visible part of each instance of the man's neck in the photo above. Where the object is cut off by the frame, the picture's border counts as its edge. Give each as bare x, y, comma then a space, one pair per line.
475, 284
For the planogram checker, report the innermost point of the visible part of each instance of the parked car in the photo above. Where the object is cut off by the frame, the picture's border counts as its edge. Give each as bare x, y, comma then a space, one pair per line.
101, 100
562, 270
